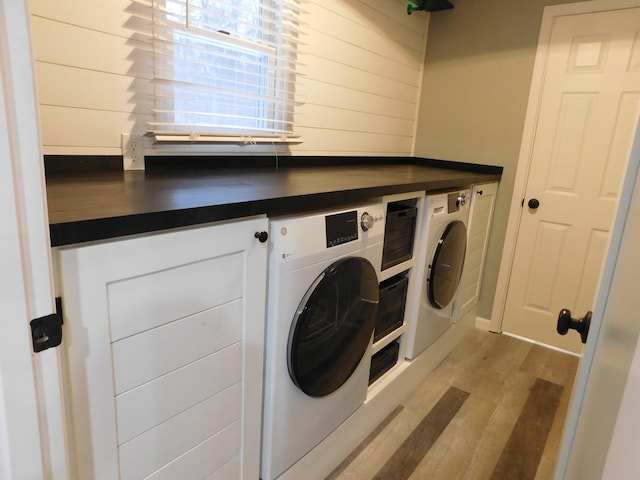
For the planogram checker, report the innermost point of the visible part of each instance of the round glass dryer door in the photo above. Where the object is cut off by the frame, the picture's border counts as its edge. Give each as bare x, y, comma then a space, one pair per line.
446, 265
333, 326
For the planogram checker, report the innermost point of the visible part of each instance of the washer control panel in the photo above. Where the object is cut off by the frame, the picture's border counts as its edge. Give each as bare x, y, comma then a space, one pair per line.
456, 200
341, 228
293, 238
447, 203
344, 227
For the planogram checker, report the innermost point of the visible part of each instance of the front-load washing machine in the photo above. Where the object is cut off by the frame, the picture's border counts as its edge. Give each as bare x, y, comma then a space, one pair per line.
322, 302
439, 266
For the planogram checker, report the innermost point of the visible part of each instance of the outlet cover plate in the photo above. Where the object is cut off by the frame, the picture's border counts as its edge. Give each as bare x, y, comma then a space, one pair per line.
133, 147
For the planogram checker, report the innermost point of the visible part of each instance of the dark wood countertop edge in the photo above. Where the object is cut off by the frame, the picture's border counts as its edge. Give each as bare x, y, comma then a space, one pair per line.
83, 231
168, 163
73, 164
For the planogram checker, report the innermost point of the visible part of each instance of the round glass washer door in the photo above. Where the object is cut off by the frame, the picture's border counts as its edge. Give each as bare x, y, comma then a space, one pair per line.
332, 326
446, 265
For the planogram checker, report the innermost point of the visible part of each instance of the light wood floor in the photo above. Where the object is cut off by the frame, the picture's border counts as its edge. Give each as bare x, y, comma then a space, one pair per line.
493, 409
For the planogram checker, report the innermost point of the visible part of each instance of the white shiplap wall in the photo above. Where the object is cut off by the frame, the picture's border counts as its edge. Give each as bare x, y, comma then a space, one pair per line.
361, 66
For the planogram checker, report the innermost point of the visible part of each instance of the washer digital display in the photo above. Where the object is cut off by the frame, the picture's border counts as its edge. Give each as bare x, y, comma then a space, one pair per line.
341, 228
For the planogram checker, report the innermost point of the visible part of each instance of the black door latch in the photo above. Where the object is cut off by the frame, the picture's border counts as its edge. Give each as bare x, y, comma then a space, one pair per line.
46, 332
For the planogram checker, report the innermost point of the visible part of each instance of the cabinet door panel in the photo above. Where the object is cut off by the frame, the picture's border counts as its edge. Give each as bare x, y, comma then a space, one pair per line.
214, 453
157, 298
162, 330
160, 445
153, 353
483, 199
154, 402
228, 470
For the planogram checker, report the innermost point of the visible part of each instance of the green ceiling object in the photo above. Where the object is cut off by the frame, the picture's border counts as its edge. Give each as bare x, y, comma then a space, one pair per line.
428, 5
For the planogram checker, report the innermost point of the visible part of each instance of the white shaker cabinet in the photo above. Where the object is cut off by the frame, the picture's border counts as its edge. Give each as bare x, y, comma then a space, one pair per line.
164, 337
483, 200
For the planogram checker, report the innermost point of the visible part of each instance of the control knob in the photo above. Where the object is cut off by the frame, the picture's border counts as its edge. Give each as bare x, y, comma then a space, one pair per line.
366, 221
462, 199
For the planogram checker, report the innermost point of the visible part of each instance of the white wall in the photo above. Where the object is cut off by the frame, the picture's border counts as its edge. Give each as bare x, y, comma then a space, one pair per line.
361, 61
478, 68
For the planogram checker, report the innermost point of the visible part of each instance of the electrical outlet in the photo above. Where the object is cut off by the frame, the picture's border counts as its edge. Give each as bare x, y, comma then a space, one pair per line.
132, 152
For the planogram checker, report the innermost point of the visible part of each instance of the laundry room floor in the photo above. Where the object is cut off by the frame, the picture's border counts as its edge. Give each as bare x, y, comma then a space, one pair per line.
493, 409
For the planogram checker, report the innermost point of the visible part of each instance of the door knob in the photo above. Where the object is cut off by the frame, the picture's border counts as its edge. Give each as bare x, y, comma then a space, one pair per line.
581, 325
262, 236
533, 203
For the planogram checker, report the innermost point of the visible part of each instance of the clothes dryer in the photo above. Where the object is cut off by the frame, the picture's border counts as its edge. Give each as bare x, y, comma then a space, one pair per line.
439, 266
322, 301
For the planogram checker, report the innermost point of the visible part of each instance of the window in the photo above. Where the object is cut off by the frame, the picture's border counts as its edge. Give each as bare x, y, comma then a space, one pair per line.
224, 69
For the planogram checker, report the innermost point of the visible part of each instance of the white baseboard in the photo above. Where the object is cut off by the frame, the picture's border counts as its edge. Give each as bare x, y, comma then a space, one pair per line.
561, 350
483, 324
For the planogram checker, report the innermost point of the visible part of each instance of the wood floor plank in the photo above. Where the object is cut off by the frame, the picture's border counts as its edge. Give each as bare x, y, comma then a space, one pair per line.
461, 359
496, 367
551, 365
484, 455
499, 373
487, 380
429, 392
449, 456
367, 464
522, 453
549, 458
415, 447
560, 368
480, 357
367, 442
498, 356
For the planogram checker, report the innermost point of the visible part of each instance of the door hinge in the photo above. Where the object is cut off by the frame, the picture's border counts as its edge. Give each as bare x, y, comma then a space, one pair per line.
46, 332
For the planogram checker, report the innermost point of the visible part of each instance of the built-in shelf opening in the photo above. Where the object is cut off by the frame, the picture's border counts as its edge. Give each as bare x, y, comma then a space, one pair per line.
393, 296
399, 232
384, 360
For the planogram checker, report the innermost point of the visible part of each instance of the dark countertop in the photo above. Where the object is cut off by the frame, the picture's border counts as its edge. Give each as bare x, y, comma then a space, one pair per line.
91, 206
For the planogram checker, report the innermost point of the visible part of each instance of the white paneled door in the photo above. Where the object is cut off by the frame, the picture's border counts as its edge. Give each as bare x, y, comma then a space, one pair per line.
587, 113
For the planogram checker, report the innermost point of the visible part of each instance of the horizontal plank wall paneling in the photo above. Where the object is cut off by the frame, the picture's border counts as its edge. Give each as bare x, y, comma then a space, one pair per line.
358, 121
115, 96
94, 80
361, 70
361, 77
87, 49
84, 131
364, 46
109, 17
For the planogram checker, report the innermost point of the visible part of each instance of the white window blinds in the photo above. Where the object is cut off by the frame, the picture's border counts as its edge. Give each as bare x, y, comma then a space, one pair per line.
224, 70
